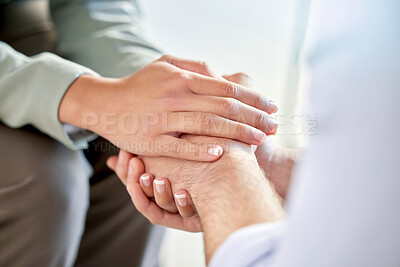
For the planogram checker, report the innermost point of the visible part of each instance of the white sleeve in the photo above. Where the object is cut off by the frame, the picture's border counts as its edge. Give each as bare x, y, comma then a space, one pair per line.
254, 245
344, 204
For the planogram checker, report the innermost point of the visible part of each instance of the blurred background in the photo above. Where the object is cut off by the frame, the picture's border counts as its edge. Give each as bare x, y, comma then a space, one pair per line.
260, 37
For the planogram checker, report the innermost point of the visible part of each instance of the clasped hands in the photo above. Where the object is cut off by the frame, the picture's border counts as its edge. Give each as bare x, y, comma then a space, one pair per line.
195, 132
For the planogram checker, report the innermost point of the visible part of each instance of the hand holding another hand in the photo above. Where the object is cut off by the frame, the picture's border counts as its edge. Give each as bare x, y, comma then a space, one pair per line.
145, 112
228, 194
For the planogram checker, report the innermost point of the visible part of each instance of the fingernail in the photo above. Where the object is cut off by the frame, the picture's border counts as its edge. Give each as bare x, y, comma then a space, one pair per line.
259, 136
145, 179
181, 199
215, 151
272, 124
272, 107
160, 186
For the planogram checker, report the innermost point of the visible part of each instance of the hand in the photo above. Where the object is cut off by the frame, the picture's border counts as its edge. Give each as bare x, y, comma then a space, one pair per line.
228, 194
277, 163
163, 211
145, 112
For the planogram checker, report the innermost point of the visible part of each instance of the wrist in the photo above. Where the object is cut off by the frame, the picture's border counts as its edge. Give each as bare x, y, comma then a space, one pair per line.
85, 98
237, 195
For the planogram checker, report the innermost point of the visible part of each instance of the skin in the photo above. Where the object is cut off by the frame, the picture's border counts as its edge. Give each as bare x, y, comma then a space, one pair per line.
275, 162
218, 213
145, 112
228, 194
129, 169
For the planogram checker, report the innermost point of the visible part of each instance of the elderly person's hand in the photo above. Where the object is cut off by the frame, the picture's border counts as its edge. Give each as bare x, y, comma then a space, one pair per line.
228, 194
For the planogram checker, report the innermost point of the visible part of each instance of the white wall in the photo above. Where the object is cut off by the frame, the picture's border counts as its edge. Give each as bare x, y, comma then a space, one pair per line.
253, 36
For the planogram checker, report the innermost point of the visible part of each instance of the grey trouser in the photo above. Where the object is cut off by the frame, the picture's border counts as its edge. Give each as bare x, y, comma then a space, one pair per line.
52, 214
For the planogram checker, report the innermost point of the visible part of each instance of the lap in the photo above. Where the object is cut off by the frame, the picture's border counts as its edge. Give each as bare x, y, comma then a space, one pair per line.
44, 192
59, 206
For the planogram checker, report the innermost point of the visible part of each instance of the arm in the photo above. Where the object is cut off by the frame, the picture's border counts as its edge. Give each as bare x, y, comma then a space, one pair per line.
142, 113
228, 194
109, 37
31, 90
277, 163
233, 197
105, 35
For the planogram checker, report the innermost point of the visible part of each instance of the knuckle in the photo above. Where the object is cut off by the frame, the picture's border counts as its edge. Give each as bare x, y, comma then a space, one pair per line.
228, 105
230, 90
204, 66
175, 148
260, 119
241, 131
260, 101
244, 79
166, 57
169, 101
180, 78
206, 121
243, 75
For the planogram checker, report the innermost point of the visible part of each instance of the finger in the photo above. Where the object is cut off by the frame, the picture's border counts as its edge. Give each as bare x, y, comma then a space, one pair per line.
163, 195
240, 78
179, 148
123, 164
184, 203
136, 169
213, 125
234, 110
146, 182
213, 87
245, 80
158, 216
112, 162
199, 67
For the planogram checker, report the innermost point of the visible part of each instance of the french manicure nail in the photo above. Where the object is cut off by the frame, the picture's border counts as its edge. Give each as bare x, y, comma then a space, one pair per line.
272, 124
215, 151
145, 179
259, 136
181, 199
160, 186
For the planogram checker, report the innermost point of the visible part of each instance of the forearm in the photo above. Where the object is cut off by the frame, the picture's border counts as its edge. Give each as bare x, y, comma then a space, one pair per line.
31, 89
233, 200
105, 35
83, 101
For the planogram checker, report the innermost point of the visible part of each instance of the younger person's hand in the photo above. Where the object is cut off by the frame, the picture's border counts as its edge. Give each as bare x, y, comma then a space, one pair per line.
145, 112
153, 197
